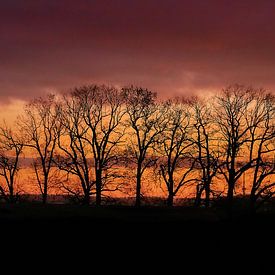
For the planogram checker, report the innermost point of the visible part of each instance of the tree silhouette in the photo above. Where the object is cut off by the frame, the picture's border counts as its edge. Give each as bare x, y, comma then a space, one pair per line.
176, 148
40, 127
261, 148
146, 124
103, 112
74, 157
207, 154
11, 146
233, 106
91, 117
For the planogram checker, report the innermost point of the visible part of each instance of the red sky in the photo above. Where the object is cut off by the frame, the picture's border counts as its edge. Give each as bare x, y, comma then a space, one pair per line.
168, 46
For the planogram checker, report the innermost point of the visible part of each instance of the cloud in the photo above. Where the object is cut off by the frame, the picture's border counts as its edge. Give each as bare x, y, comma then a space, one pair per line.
168, 46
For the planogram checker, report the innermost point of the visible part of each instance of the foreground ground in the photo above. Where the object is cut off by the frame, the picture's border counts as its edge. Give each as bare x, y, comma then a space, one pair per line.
149, 237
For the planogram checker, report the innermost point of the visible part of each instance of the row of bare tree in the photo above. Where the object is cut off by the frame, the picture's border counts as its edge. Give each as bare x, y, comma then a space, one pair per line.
92, 132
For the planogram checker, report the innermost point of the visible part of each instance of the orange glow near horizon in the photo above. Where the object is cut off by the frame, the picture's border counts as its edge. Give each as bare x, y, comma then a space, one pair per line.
11, 110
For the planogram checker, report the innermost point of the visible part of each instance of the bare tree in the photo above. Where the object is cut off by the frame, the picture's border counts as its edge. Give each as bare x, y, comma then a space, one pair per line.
73, 155
11, 146
261, 148
146, 123
176, 148
103, 112
40, 127
92, 121
232, 107
207, 154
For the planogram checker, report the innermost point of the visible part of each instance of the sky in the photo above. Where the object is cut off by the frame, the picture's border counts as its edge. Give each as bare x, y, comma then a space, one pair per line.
172, 47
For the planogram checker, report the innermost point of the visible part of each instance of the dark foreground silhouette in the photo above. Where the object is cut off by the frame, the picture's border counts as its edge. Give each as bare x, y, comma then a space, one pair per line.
151, 239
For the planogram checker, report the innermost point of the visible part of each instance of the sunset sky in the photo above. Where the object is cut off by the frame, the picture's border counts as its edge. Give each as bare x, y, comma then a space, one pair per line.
171, 46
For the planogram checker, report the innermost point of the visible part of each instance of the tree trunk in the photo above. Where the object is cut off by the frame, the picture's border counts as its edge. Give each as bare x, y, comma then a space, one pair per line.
230, 197
252, 204
44, 197
207, 194
138, 187
98, 187
11, 198
45, 194
45, 191
170, 199
199, 190
86, 200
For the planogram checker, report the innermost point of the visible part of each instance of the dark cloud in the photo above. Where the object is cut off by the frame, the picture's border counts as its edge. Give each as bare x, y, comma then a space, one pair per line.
170, 46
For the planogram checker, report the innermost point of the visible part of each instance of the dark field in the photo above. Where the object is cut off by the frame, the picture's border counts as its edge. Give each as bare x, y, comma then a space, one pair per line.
155, 239
60, 213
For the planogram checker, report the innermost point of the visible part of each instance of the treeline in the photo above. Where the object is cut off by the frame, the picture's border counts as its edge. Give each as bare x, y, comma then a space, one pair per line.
90, 133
